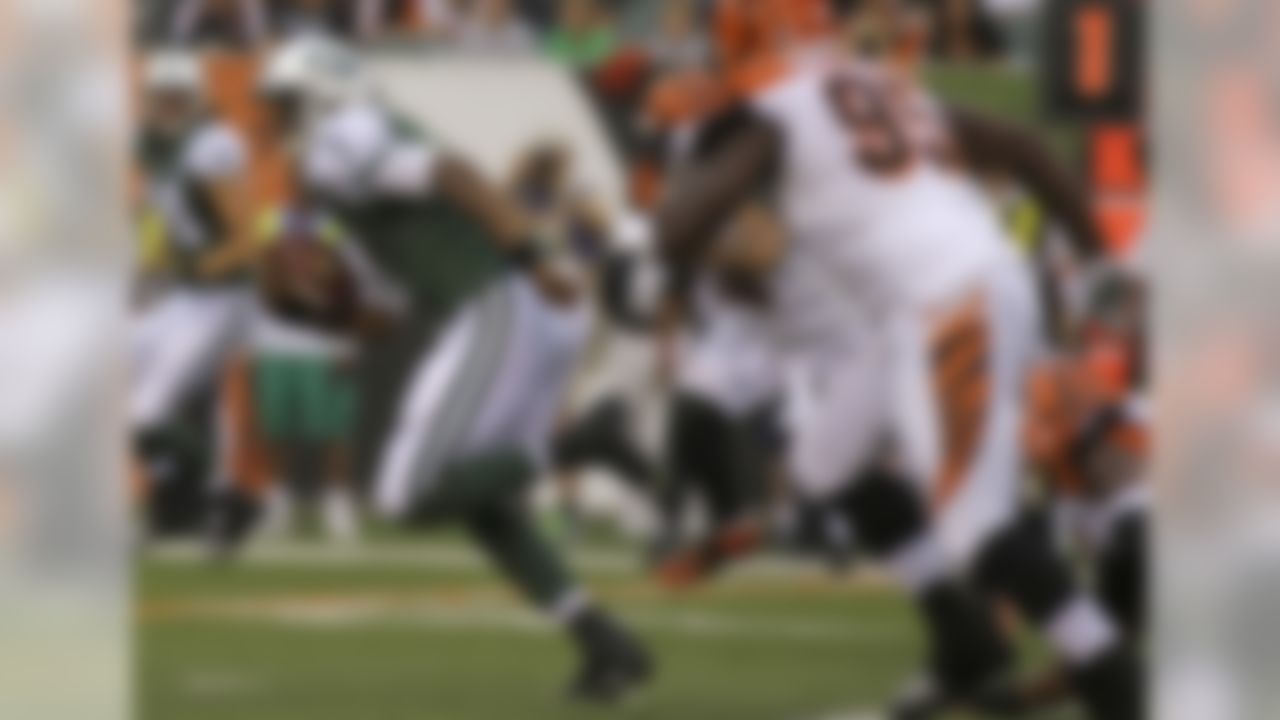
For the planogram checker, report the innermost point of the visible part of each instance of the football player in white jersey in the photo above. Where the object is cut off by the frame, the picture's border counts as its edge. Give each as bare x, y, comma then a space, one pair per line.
902, 304
476, 417
193, 167
722, 372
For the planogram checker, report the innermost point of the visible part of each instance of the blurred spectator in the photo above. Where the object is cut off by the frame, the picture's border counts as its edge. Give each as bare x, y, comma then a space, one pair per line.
584, 36
347, 19
495, 26
542, 13
680, 41
436, 18
305, 391
890, 29
223, 23
964, 30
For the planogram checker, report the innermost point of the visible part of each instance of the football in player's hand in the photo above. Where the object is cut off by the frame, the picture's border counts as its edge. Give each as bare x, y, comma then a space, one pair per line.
309, 281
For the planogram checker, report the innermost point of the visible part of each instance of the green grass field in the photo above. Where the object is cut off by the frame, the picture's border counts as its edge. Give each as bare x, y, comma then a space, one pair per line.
401, 631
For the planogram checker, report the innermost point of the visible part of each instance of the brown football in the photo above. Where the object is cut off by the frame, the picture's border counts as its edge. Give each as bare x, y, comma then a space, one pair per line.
310, 275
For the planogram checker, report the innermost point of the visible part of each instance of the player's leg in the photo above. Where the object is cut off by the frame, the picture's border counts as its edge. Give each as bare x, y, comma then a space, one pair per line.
182, 344
171, 347
183, 349
699, 462
274, 380
705, 452
1123, 567
603, 436
726, 373
1022, 565
328, 415
430, 414
722, 444
841, 409
720, 456
441, 466
967, 651
612, 662
981, 363
240, 481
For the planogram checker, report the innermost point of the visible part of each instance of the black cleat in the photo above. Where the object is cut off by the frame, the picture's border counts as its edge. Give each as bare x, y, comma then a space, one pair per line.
614, 666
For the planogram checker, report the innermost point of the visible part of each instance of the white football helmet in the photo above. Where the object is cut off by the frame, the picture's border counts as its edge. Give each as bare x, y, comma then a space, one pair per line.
315, 68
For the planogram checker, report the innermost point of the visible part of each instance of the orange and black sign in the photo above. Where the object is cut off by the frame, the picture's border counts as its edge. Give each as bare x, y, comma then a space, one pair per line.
1095, 57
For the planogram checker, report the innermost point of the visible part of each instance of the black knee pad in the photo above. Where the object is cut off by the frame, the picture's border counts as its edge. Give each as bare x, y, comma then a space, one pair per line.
888, 512
1022, 564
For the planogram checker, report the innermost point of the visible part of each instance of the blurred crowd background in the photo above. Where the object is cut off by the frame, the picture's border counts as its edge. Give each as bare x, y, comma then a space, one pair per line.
582, 33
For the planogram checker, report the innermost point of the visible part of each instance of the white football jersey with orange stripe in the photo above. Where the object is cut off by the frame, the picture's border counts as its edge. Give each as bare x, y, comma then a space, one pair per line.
874, 215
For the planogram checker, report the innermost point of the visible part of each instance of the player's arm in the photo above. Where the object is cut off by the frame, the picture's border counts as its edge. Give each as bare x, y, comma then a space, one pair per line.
383, 303
459, 183
737, 165
220, 162
992, 145
411, 170
359, 156
230, 198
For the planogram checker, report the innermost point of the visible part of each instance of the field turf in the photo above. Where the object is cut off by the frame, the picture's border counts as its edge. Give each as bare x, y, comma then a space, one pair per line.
422, 631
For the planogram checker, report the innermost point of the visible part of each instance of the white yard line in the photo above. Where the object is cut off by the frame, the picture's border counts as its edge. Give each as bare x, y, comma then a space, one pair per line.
361, 613
450, 555
218, 684
856, 715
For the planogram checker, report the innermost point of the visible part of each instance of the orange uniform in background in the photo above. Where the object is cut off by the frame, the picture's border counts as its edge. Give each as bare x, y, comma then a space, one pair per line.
678, 99
755, 37
1078, 408
745, 29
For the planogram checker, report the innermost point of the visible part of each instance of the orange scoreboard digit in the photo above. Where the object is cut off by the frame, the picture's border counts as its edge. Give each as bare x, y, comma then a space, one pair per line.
1094, 77
1094, 63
